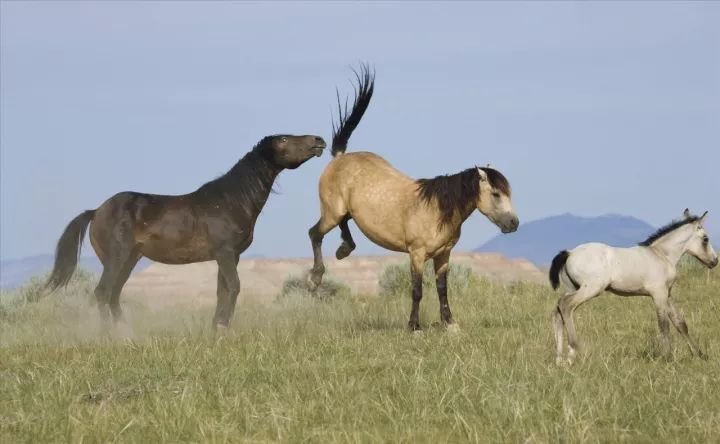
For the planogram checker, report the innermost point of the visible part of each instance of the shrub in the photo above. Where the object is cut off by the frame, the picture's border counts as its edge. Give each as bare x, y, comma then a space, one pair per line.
395, 279
328, 289
33, 291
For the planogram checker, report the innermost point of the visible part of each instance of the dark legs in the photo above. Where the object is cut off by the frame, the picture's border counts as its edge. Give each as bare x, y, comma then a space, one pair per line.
441, 274
120, 281
417, 265
348, 245
228, 288
116, 270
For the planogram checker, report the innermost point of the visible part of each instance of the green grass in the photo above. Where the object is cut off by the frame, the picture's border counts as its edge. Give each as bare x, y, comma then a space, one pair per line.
345, 370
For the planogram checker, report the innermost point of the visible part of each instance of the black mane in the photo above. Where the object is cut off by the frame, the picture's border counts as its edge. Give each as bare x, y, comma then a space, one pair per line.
672, 226
248, 183
455, 193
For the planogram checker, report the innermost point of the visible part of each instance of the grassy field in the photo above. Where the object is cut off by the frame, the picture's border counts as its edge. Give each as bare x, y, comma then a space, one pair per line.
345, 370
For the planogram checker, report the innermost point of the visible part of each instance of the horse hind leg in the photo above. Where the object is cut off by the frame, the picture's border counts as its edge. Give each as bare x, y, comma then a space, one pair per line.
558, 329
567, 306
120, 281
317, 233
348, 244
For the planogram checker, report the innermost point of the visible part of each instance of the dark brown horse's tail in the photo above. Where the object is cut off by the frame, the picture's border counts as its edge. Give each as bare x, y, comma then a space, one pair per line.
558, 263
68, 250
348, 122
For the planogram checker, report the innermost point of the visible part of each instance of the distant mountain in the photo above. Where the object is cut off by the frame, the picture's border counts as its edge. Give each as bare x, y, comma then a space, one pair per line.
15, 272
540, 240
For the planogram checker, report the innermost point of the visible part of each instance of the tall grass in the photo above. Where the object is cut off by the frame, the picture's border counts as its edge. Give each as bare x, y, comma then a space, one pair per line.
345, 370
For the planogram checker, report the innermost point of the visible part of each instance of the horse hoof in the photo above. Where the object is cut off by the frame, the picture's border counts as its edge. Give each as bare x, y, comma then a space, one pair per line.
313, 282
453, 328
343, 251
703, 356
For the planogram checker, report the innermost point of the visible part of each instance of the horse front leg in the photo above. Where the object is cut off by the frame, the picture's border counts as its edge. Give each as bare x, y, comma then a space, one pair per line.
679, 322
228, 288
417, 264
441, 264
660, 298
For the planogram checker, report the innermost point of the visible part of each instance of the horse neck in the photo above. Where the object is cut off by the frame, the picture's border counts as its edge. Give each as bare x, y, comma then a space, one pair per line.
254, 176
673, 245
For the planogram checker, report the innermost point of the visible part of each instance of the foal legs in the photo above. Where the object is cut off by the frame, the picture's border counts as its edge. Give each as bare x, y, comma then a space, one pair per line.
677, 320
660, 298
558, 327
348, 245
567, 306
441, 274
228, 288
417, 265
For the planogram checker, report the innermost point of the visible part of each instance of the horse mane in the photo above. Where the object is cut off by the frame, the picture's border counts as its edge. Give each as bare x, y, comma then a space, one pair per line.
672, 226
456, 192
248, 182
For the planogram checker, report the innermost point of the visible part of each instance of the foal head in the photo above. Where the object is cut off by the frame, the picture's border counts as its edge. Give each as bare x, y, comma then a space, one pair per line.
494, 199
286, 151
699, 243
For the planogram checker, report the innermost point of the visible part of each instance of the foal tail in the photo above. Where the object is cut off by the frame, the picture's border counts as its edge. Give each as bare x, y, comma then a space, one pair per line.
348, 122
558, 263
68, 250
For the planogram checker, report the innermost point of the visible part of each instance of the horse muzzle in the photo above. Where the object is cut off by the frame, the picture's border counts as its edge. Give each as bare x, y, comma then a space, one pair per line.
319, 147
510, 225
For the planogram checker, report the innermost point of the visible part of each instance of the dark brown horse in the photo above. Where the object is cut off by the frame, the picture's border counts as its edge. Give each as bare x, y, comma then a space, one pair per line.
215, 222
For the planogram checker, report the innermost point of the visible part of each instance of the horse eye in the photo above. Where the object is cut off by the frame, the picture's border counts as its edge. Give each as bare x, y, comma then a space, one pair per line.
496, 195
706, 239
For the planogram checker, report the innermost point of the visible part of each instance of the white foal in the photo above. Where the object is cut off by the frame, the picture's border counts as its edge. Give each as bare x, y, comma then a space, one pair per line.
648, 269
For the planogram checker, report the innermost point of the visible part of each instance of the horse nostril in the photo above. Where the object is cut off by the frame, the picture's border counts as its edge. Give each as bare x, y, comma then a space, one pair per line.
319, 140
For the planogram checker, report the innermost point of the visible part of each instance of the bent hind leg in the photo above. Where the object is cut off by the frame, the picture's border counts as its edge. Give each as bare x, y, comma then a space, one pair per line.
567, 306
348, 244
317, 233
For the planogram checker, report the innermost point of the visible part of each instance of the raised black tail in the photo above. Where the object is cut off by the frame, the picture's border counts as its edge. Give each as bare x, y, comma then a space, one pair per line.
68, 250
348, 122
558, 263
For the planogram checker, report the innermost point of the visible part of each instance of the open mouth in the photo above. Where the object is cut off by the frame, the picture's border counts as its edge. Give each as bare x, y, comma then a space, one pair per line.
318, 150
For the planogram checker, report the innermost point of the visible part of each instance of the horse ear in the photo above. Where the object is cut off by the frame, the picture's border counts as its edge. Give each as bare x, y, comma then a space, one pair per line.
686, 213
702, 218
482, 174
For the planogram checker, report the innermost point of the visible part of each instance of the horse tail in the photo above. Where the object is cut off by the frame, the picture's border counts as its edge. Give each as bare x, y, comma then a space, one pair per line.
68, 250
347, 122
558, 263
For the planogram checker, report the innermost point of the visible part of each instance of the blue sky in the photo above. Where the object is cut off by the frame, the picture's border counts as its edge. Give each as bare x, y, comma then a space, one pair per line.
589, 108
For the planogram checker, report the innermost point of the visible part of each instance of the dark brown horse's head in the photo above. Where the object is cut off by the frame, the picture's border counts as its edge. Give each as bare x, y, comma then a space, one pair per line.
290, 152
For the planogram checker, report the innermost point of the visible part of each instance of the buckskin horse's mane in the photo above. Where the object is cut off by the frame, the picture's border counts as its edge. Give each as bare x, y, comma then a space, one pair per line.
456, 192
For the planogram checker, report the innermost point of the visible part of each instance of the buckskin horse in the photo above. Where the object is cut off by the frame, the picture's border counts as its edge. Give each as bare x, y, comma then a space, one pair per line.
421, 217
215, 222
